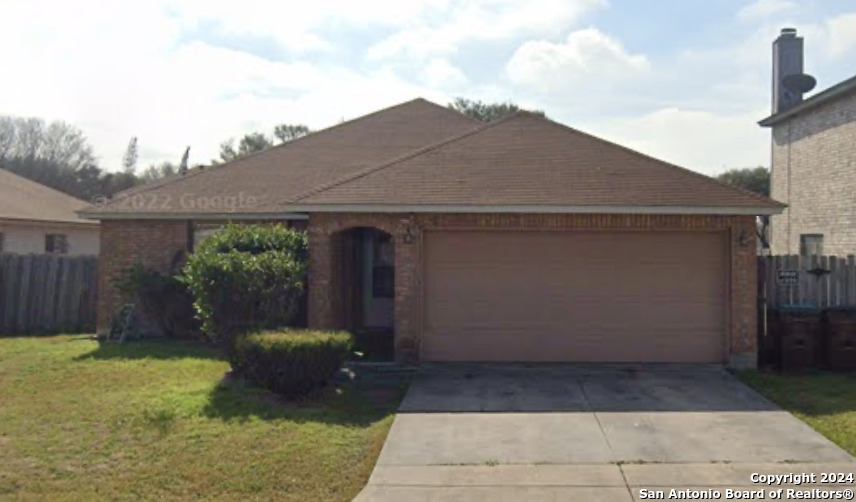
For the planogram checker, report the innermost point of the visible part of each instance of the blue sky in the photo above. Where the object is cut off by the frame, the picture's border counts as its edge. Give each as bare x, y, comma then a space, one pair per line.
685, 81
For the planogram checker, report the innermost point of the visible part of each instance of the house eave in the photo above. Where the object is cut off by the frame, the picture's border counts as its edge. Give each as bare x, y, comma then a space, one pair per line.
818, 99
193, 216
535, 209
82, 223
299, 211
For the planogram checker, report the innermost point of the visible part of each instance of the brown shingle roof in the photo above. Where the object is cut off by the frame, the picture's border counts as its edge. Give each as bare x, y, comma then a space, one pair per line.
419, 156
528, 160
260, 180
22, 199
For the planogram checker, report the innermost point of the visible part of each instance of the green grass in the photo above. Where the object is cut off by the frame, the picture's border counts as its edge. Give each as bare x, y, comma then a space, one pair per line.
825, 401
151, 421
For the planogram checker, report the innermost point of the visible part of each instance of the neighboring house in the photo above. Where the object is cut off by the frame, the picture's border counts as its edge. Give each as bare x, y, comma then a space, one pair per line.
813, 165
518, 240
38, 219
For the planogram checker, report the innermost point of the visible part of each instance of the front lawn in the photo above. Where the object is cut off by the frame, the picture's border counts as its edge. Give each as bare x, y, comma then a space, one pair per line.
149, 420
825, 401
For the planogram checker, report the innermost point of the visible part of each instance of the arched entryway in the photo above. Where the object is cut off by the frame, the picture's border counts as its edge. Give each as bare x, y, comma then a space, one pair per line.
365, 287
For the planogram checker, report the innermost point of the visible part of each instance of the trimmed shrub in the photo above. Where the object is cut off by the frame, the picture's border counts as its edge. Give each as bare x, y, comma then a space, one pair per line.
247, 278
163, 300
292, 362
257, 239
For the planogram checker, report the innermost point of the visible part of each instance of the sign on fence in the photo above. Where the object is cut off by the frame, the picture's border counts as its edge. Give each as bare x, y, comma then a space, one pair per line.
47, 293
818, 281
788, 277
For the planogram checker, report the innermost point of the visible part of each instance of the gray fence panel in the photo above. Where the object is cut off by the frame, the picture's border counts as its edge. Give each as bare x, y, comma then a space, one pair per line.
47, 293
823, 281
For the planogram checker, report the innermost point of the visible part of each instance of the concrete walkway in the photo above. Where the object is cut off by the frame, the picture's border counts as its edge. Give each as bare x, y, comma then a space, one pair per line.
578, 432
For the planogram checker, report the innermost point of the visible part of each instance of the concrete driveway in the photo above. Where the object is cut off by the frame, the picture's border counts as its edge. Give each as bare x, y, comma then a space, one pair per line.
587, 432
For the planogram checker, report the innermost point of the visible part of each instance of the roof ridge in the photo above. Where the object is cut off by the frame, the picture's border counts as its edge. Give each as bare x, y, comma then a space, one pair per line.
446, 108
227, 165
664, 163
409, 155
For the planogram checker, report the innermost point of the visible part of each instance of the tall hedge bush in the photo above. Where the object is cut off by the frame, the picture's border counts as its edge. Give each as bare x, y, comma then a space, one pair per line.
246, 278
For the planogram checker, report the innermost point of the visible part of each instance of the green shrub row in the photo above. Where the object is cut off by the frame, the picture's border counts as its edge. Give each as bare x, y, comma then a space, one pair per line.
246, 283
292, 362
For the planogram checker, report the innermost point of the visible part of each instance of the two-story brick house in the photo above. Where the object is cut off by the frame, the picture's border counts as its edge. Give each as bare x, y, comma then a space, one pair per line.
813, 158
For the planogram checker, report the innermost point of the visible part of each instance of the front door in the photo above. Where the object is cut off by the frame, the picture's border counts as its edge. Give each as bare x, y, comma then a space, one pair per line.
379, 279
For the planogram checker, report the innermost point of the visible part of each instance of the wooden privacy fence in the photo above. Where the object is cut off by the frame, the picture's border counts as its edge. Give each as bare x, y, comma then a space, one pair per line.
47, 293
816, 281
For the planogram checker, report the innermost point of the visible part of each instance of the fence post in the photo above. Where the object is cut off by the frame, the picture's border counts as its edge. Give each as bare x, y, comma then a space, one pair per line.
850, 281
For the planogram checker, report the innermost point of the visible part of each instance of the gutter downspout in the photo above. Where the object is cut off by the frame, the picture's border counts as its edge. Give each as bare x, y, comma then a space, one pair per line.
788, 164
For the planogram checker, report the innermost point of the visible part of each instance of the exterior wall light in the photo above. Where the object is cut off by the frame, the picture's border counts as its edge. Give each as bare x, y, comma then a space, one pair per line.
743, 239
408, 229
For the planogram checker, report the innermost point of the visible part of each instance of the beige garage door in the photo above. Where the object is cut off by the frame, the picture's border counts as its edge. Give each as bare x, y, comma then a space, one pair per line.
571, 296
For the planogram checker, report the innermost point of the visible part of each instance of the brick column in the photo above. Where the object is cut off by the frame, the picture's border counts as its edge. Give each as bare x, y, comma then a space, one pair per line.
408, 280
157, 244
325, 262
321, 290
744, 293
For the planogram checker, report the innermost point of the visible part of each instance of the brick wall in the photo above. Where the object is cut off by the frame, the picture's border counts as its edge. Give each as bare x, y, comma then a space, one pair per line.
407, 232
814, 172
154, 243
325, 310
157, 243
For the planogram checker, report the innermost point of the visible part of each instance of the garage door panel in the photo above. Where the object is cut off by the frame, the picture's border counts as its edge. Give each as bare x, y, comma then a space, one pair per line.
554, 296
588, 346
637, 286
643, 280
583, 314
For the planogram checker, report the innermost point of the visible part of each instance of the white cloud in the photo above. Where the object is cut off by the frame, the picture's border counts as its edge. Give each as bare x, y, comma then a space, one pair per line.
129, 69
762, 10
295, 26
445, 30
123, 71
439, 73
197, 72
586, 57
842, 34
700, 140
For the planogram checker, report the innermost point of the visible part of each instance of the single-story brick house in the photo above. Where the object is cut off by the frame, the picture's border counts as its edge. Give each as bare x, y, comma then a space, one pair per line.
517, 240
